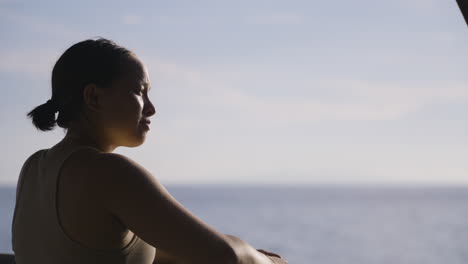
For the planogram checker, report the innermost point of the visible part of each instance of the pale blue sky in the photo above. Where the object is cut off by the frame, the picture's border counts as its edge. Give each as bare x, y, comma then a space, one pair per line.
336, 92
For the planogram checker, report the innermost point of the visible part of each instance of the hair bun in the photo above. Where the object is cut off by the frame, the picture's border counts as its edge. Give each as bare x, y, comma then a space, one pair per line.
52, 104
43, 116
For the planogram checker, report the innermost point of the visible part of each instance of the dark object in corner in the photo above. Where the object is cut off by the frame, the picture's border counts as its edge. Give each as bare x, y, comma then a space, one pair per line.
463, 4
7, 259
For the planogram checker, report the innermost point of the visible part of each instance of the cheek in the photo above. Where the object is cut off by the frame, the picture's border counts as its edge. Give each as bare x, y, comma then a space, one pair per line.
109, 109
134, 105
126, 109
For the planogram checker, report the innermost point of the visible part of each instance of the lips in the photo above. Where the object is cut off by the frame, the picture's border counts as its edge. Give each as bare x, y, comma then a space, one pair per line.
146, 124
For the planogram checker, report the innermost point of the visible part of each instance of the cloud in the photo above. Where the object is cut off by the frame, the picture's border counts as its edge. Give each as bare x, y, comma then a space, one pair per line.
298, 111
132, 19
211, 93
41, 25
280, 18
425, 5
10, 1
35, 63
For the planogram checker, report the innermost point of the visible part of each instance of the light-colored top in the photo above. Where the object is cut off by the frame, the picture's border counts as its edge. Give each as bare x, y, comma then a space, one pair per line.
37, 234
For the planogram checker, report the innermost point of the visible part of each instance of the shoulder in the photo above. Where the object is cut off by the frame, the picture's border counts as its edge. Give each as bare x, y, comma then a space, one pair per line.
118, 184
24, 170
100, 172
121, 173
93, 161
107, 174
26, 165
118, 168
115, 163
32, 157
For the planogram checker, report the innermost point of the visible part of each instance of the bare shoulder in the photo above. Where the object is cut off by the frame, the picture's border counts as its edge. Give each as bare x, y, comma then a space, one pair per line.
116, 180
121, 170
100, 165
117, 164
100, 173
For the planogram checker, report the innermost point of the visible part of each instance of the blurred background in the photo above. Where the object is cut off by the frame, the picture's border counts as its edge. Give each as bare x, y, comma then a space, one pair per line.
354, 113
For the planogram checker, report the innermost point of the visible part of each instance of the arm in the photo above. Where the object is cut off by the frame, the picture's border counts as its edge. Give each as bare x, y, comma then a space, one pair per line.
252, 255
165, 258
162, 257
143, 205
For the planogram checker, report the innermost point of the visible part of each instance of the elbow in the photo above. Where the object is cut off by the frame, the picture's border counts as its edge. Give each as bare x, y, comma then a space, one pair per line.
230, 256
237, 251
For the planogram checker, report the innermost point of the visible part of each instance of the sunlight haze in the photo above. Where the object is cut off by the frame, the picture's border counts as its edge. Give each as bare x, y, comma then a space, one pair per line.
266, 92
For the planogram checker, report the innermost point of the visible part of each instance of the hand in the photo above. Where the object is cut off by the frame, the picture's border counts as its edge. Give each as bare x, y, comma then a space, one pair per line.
275, 258
268, 253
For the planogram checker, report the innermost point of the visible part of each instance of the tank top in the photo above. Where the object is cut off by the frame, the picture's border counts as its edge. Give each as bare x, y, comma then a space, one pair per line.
38, 237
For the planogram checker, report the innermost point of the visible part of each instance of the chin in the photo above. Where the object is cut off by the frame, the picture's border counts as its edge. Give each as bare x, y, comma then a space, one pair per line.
130, 139
133, 145
134, 142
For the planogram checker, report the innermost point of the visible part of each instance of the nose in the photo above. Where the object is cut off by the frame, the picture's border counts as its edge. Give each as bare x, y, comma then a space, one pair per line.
149, 109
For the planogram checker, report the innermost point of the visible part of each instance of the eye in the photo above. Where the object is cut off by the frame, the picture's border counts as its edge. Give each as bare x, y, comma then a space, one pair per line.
139, 91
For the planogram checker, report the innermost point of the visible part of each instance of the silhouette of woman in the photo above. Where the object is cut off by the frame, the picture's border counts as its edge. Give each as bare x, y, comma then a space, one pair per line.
78, 202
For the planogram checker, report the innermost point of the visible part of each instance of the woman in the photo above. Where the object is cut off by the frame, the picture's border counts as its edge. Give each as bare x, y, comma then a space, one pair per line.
78, 202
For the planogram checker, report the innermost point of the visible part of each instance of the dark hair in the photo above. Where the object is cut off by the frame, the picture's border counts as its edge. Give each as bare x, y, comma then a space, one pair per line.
97, 61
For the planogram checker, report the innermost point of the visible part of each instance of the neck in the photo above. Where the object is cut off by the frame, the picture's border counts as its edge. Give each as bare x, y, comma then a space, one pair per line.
83, 133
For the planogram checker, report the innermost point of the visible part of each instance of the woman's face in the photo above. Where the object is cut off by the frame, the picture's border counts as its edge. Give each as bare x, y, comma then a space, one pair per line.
126, 107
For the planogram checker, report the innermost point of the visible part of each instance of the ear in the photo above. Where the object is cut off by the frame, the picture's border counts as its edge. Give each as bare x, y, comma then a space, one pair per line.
92, 95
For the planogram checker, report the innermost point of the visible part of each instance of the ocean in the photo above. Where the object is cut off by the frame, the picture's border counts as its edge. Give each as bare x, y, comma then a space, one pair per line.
326, 224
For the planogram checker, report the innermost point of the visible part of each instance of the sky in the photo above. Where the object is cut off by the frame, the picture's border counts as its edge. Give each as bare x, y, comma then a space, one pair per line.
262, 91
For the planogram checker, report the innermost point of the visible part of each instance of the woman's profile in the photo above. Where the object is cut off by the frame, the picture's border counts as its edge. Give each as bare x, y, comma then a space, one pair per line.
78, 202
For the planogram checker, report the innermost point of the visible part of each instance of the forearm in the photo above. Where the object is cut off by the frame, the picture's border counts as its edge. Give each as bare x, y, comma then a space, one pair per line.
163, 257
245, 253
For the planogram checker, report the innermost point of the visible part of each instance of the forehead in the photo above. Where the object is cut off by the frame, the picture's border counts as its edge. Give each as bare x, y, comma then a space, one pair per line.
135, 71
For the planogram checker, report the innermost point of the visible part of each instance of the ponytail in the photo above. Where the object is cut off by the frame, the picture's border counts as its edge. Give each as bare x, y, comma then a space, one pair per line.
43, 116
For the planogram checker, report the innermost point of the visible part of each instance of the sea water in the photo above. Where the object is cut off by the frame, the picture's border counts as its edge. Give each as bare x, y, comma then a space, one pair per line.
325, 224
